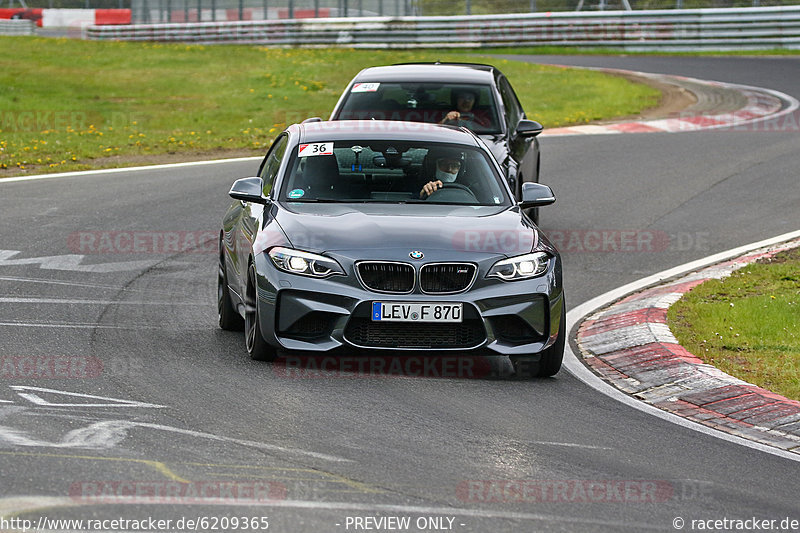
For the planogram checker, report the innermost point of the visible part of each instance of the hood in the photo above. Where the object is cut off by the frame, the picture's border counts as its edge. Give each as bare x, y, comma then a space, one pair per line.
373, 230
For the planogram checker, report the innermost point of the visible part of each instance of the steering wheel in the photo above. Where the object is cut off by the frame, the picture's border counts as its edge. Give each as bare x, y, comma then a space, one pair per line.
454, 192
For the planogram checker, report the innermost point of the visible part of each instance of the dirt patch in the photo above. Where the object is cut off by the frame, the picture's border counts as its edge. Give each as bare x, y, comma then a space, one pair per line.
674, 99
782, 257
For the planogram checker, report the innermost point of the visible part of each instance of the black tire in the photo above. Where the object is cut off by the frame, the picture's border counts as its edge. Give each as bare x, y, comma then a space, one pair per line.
229, 318
549, 362
257, 347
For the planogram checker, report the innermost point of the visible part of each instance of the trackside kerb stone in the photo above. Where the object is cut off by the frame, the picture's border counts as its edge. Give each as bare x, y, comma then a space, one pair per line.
630, 345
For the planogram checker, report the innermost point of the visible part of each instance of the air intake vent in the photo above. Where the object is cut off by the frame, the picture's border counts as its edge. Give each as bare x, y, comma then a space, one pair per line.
446, 278
387, 277
364, 332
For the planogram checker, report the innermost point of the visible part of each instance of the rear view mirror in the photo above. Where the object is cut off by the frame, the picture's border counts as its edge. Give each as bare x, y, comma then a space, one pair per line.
382, 161
248, 190
529, 128
536, 195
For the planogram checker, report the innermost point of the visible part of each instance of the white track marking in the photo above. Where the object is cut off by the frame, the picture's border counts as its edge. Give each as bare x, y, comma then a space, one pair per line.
572, 445
72, 262
98, 436
122, 170
573, 364
75, 325
65, 301
76, 284
250, 443
107, 434
29, 393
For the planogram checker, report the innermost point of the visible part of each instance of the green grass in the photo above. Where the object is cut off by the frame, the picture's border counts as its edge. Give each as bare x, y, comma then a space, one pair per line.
581, 51
748, 324
72, 105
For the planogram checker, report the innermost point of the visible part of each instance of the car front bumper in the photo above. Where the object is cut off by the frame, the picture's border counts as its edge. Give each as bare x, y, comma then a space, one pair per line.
333, 315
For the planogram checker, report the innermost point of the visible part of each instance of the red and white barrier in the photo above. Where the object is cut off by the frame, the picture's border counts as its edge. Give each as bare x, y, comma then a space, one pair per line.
68, 18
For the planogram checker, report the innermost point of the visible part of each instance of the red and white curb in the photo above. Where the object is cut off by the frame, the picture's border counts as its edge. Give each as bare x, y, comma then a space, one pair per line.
630, 345
762, 105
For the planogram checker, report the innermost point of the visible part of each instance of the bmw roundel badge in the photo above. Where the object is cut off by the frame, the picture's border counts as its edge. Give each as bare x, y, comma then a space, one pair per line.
416, 254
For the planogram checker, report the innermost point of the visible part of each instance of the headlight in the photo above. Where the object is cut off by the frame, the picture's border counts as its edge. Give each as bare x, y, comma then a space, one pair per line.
304, 263
521, 267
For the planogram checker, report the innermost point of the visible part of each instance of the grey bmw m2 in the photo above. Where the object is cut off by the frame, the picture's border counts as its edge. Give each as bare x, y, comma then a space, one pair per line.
390, 237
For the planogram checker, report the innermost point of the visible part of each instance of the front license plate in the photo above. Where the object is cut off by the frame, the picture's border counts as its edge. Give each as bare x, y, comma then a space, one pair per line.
416, 312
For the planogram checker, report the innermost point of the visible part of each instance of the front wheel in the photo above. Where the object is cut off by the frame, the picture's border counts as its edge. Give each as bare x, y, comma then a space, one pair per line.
549, 362
257, 347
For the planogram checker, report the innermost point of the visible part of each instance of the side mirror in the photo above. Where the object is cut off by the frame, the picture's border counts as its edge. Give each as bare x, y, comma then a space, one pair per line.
536, 195
248, 190
529, 128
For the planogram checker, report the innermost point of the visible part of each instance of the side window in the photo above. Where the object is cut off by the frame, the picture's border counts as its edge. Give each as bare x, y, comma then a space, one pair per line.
511, 104
271, 164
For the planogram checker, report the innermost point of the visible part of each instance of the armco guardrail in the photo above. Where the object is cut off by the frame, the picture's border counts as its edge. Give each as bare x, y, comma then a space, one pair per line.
745, 28
17, 27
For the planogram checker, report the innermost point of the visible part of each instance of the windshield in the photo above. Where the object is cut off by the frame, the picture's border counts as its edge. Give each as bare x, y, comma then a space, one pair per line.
392, 171
472, 106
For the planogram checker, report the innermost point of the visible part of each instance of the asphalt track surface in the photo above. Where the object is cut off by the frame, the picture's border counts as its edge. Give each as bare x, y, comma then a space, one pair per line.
349, 445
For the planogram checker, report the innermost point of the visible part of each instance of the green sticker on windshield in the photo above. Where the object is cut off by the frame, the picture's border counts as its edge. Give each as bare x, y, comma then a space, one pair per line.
296, 193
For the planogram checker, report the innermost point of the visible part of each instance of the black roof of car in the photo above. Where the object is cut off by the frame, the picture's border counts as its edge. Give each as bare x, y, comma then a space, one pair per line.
383, 130
429, 72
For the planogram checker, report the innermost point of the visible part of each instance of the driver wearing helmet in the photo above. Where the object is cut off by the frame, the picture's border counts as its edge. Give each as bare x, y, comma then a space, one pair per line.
446, 171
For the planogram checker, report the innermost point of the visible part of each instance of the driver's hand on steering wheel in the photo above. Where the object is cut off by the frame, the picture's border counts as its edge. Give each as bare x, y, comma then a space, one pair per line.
452, 116
430, 187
